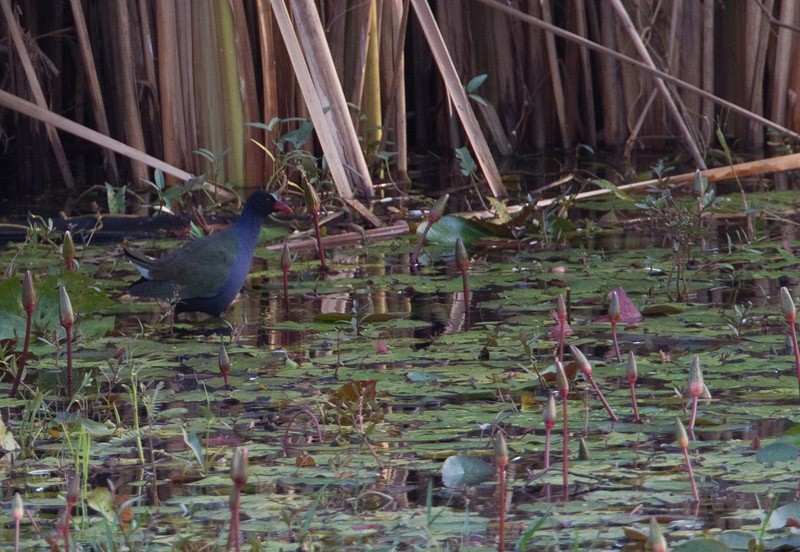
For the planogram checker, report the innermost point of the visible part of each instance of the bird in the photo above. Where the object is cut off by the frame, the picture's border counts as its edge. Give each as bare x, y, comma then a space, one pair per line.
206, 274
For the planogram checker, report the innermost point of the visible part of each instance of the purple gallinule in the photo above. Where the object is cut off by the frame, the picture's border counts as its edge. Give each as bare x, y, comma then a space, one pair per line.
206, 274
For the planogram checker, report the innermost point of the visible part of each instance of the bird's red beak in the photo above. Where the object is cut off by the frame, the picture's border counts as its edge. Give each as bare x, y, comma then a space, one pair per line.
282, 207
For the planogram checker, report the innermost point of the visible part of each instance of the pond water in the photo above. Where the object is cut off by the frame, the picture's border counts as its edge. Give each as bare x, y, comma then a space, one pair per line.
403, 376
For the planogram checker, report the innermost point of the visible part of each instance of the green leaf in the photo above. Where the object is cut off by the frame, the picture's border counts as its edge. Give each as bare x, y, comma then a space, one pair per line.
450, 227
462, 470
702, 545
102, 500
116, 199
465, 161
193, 442
475, 83
605, 184
780, 451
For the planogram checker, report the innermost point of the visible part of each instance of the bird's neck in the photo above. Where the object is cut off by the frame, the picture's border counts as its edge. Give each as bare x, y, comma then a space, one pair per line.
247, 227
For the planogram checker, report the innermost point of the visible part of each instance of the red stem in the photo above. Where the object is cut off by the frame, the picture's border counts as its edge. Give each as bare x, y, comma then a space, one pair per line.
323, 266
67, 515
286, 290
796, 354
466, 292
561, 339
564, 439
501, 514
603, 400
691, 475
24, 358
633, 402
68, 330
694, 416
614, 339
233, 530
418, 249
547, 448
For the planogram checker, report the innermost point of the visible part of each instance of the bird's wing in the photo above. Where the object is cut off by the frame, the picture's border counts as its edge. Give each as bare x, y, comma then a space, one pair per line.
140, 261
199, 268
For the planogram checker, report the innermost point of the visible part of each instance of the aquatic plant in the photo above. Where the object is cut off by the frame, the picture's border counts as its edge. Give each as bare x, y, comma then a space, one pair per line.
286, 265
632, 374
790, 316
561, 319
239, 469
67, 318
562, 384
462, 263
656, 541
29, 305
614, 315
695, 389
549, 418
313, 205
224, 363
683, 443
586, 369
681, 224
68, 251
17, 513
436, 212
501, 463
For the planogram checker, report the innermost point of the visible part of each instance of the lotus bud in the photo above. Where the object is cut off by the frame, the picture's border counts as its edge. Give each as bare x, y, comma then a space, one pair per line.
462, 259
582, 361
561, 309
224, 363
632, 371
656, 541
614, 313
500, 450
437, 210
695, 378
68, 250
17, 508
549, 414
239, 466
73, 488
787, 304
681, 438
28, 293
286, 257
561, 381
313, 203
700, 184
583, 450
65, 308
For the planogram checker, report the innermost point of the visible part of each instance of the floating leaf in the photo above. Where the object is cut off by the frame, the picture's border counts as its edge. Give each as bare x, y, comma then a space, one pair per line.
787, 515
102, 500
462, 470
779, 451
450, 227
702, 545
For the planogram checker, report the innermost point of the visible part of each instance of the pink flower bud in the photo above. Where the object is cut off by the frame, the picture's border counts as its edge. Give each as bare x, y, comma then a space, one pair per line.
681, 438
582, 361
696, 384
632, 371
65, 308
787, 304
28, 293
549, 413
239, 466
